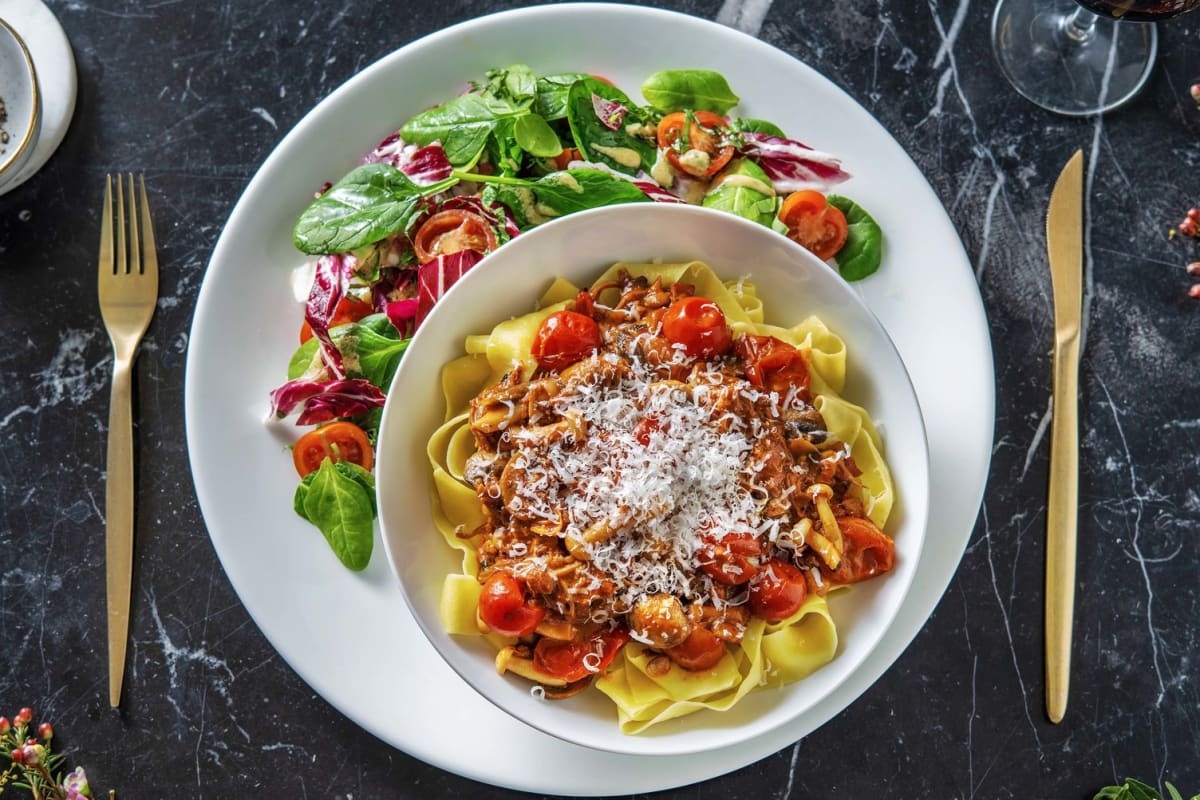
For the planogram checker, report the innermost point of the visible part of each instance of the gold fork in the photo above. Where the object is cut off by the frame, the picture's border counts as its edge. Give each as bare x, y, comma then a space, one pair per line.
128, 288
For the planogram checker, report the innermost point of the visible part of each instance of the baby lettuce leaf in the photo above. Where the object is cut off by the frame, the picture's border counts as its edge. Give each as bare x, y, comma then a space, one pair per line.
551, 101
750, 125
598, 142
565, 192
462, 125
694, 89
340, 502
863, 251
738, 194
371, 203
535, 136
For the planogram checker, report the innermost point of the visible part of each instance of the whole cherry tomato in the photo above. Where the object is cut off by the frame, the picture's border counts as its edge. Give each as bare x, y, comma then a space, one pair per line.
451, 231
778, 592
698, 324
573, 661
732, 559
813, 223
563, 338
339, 441
773, 364
705, 132
503, 608
701, 650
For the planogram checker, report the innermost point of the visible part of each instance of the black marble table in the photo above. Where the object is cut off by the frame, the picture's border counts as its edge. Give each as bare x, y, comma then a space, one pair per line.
195, 94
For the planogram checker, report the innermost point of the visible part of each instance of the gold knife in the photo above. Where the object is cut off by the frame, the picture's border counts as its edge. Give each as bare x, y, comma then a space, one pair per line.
1064, 242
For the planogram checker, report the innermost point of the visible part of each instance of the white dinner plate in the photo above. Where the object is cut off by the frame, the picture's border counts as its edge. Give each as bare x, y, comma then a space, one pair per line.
351, 636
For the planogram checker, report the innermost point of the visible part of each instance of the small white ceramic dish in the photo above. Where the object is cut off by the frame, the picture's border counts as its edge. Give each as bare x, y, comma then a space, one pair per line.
22, 116
793, 284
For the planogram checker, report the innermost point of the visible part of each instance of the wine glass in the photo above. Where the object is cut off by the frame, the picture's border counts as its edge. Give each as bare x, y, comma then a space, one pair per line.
1064, 57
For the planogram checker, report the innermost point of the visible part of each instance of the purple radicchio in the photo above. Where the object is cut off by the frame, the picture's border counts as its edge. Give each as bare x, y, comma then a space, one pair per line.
793, 166
498, 216
321, 401
437, 276
423, 165
328, 288
611, 113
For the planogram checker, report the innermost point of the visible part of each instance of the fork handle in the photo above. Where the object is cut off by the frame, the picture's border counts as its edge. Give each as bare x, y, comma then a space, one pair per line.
118, 507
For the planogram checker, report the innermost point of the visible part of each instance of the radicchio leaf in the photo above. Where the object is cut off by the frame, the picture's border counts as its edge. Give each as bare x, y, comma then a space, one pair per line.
437, 276
792, 166
321, 401
610, 112
423, 165
403, 315
328, 288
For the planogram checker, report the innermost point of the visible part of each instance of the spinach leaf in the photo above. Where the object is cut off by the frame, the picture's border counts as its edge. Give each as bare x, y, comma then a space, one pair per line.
551, 101
863, 251
757, 126
695, 89
503, 151
519, 83
535, 136
372, 202
618, 149
371, 348
302, 359
462, 125
740, 192
341, 503
560, 193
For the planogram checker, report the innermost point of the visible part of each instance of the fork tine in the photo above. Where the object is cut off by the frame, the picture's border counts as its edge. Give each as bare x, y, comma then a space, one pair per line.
135, 257
122, 265
149, 252
106, 233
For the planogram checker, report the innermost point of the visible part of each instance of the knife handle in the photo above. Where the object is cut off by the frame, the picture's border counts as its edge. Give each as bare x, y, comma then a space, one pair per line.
1061, 523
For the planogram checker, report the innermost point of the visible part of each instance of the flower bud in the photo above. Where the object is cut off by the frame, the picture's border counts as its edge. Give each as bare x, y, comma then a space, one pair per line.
18, 755
24, 717
1194, 292
5, 725
33, 754
46, 731
1193, 269
76, 784
1194, 91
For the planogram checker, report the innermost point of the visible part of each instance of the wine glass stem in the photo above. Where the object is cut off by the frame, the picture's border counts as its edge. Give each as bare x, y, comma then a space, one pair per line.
1080, 26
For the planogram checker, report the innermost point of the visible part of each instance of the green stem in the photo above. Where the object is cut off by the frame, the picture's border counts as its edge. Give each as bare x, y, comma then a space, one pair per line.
500, 179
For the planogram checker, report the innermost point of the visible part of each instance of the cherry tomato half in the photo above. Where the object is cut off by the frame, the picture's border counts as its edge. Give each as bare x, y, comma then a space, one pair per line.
349, 309
339, 441
646, 428
564, 158
773, 364
731, 560
778, 592
563, 338
701, 650
705, 132
452, 231
813, 223
698, 324
503, 608
867, 552
573, 661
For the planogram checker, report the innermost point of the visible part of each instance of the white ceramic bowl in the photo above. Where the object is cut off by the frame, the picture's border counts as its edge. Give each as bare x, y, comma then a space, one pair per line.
793, 284
22, 103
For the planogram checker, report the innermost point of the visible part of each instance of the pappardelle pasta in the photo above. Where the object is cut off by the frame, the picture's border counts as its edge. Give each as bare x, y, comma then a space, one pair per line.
654, 491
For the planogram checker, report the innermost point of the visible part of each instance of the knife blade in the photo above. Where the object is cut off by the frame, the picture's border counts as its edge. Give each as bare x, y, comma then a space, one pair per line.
1064, 244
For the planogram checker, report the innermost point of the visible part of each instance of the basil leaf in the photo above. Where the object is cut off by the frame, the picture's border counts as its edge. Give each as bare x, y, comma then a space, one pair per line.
551, 100
565, 192
462, 125
863, 251
369, 204
342, 509
740, 191
757, 126
694, 89
535, 136
596, 141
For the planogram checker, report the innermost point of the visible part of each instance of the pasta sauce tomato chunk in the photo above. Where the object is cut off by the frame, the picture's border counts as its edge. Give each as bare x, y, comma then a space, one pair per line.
653, 479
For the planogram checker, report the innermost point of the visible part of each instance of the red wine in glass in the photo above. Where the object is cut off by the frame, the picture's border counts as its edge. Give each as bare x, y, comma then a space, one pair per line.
1140, 10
